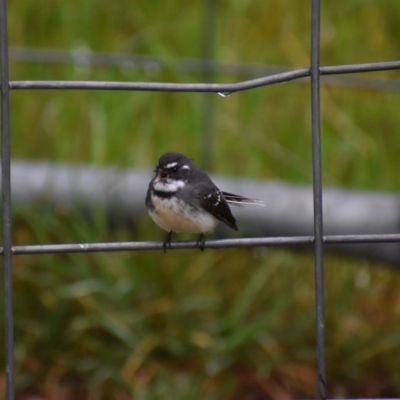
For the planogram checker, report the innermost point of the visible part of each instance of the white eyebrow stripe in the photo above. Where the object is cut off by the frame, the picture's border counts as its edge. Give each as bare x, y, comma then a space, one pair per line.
186, 167
171, 165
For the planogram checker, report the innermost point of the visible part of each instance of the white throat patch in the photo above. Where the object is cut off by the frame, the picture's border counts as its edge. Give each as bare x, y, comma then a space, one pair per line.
168, 186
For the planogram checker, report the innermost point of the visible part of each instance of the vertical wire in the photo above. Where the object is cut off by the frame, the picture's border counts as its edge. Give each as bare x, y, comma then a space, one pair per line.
317, 196
208, 76
6, 206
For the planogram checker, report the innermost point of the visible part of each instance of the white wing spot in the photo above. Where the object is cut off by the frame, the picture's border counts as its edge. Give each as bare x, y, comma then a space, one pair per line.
217, 200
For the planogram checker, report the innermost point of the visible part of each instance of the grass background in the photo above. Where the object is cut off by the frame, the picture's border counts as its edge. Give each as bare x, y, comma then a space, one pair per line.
234, 324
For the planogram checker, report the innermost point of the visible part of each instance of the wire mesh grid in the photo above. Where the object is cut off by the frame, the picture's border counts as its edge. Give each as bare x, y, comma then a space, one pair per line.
317, 240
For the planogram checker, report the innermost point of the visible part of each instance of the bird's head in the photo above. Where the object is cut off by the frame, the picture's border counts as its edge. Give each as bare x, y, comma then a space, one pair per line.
172, 172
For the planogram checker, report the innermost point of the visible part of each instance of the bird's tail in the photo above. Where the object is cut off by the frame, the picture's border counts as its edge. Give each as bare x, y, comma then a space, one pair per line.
240, 200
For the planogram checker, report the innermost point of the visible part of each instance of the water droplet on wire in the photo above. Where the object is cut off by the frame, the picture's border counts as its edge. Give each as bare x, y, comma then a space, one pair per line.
224, 94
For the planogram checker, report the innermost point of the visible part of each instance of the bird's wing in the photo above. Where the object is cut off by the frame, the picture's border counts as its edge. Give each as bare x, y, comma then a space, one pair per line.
215, 203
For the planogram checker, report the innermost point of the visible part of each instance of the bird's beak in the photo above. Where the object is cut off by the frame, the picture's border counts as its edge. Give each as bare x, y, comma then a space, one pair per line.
161, 175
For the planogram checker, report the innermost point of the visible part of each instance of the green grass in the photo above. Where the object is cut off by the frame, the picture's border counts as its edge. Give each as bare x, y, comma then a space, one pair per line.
222, 324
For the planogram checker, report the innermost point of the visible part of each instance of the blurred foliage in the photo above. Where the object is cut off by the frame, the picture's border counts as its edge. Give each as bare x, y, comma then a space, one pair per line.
234, 324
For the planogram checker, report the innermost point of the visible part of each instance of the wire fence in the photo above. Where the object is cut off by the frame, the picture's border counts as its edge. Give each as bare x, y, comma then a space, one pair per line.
317, 240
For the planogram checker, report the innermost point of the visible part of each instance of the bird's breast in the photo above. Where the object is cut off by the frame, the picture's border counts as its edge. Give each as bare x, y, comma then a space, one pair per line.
173, 214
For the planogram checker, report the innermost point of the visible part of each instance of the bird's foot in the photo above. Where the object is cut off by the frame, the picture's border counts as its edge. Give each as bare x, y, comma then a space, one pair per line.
167, 241
201, 242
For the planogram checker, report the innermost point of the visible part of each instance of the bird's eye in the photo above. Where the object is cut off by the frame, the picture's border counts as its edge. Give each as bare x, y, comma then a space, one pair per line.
174, 169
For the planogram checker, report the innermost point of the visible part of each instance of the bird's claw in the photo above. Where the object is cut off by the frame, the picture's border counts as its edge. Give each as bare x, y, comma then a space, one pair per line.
201, 242
167, 241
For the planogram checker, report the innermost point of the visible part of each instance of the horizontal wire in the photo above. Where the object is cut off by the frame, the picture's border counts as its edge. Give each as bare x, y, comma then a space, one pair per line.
85, 58
223, 88
365, 67
190, 244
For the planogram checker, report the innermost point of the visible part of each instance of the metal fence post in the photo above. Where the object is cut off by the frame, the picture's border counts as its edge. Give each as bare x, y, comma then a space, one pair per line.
317, 196
6, 206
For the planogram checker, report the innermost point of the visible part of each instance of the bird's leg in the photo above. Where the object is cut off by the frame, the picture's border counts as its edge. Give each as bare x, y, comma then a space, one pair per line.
201, 242
167, 241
